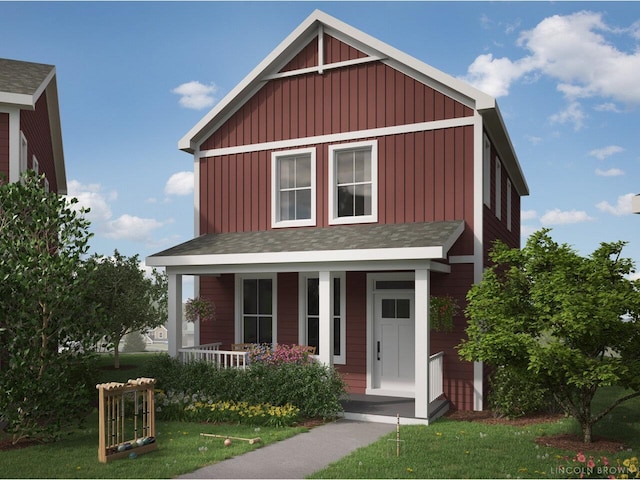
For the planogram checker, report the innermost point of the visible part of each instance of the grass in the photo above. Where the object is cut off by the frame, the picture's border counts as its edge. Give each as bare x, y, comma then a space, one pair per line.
457, 449
181, 449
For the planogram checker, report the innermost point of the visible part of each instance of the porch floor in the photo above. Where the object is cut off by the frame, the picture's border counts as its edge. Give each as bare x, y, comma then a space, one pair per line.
375, 408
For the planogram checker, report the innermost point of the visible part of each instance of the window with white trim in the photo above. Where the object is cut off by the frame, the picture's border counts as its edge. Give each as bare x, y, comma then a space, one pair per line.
23, 153
508, 204
498, 189
310, 314
257, 310
486, 170
353, 177
293, 187
35, 165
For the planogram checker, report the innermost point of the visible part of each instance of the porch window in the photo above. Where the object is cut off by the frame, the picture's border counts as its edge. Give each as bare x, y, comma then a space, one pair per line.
257, 310
310, 327
353, 176
293, 185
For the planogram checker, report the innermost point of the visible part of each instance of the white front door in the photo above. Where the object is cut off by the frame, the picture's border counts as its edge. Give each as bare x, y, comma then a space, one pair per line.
393, 349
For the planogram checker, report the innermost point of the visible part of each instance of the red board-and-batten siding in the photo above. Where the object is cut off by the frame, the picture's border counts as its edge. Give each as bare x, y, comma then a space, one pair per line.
37, 130
35, 126
423, 176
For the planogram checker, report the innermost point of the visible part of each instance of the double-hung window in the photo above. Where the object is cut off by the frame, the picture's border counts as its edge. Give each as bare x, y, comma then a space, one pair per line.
258, 324
293, 187
353, 177
310, 315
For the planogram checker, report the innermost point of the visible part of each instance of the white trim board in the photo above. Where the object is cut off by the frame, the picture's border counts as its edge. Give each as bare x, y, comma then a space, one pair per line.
338, 137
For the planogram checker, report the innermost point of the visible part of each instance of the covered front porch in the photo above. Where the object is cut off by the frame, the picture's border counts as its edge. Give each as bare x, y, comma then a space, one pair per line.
371, 286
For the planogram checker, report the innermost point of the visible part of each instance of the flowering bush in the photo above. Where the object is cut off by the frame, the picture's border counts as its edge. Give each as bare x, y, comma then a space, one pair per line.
281, 354
177, 406
200, 309
243, 412
442, 310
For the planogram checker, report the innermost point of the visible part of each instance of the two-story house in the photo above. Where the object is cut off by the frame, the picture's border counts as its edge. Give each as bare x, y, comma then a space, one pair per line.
30, 133
338, 187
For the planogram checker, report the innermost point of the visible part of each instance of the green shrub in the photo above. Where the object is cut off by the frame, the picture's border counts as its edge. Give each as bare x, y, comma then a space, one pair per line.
313, 388
515, 394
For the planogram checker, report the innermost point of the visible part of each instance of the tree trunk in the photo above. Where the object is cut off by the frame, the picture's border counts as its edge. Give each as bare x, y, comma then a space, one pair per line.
116, 352
586, 431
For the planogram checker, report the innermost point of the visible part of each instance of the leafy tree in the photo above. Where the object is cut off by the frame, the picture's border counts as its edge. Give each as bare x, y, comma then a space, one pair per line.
129, 300
134, 342
572, 322
43, 385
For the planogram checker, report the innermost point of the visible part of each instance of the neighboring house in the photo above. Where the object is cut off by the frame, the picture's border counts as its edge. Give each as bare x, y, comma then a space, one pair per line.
30, 133
337, 187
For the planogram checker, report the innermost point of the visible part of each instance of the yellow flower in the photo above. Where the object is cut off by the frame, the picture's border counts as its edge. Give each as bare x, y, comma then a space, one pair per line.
633, 468
438, 434
409, 469
626, 462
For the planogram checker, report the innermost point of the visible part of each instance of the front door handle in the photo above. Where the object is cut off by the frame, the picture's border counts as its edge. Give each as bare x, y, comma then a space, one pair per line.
378, 350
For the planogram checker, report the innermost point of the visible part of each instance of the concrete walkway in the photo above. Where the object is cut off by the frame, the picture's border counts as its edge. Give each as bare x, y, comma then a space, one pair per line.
301, 455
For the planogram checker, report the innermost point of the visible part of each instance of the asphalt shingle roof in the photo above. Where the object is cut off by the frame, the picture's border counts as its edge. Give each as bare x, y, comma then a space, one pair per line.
22, 77
342, 237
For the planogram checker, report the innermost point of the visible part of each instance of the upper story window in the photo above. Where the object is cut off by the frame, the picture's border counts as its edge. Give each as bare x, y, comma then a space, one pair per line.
293, 187
486, 170
498, 189
23, 153
353, 183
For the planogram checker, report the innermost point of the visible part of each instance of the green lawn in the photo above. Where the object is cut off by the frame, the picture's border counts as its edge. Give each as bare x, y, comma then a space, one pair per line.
456, 449
181, 449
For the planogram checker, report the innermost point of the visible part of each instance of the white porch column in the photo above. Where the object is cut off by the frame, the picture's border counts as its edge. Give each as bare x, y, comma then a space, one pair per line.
174, 326
422, 340
325, 355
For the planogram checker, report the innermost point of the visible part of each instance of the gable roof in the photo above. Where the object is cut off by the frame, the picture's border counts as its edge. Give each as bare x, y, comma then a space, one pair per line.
319, 22
365, 242
21, 86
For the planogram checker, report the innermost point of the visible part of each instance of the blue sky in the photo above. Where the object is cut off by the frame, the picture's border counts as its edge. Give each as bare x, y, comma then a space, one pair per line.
133, 78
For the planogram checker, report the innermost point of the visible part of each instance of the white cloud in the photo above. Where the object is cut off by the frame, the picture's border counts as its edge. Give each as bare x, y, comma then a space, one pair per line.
534, 140
602, 153
622, 207
612, 172
196, 95
607, 107
559, 217
528, 214
129, 227
91, 196
573, 50
573, 114
180, 183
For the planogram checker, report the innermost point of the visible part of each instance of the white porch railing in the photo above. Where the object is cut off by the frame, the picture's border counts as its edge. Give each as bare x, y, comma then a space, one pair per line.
211, 353
436, 362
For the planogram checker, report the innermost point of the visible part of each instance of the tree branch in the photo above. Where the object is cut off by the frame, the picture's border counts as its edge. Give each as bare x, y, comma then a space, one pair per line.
614, 405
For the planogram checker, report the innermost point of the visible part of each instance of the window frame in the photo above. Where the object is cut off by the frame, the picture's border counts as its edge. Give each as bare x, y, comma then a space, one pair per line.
239, 304
302, 315
486, 170
275, 188
334, 219
498, 188
509, 204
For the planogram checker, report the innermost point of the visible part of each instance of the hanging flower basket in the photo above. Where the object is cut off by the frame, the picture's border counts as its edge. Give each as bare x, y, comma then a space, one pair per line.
442, 310
200, 309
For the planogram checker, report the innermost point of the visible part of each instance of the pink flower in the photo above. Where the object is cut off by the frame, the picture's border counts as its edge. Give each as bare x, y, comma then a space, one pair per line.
580, 457
591, 463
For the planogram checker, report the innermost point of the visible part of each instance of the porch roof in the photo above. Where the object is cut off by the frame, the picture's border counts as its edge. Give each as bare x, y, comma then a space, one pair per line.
340, 243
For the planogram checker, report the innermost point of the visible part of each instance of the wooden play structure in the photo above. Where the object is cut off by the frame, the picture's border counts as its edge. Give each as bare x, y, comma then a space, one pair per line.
127, 419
